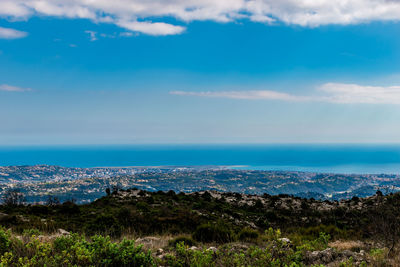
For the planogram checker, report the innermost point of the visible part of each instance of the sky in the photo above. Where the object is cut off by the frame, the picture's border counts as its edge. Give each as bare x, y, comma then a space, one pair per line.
199, 71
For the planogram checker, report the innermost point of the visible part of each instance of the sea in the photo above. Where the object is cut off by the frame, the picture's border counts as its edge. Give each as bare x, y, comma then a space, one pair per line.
332, 158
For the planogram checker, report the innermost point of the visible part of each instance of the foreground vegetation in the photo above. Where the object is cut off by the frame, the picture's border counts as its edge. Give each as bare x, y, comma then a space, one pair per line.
139, 228
31, 249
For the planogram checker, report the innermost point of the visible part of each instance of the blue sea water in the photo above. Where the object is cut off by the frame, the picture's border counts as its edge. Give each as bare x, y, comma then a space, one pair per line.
316, 158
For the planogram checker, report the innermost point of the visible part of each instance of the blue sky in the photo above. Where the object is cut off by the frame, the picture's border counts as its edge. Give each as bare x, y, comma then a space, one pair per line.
79, 74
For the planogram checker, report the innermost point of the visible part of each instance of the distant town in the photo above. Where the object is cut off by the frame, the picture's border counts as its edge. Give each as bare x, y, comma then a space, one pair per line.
84, 185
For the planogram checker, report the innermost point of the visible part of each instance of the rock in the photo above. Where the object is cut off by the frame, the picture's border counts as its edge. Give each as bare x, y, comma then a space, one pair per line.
252, 225
285, 240
62, 232
327, 255
347, 253
323, 256
193, 248
330, 256
159, 251
239, 247
23, 219
162, 256
313, 256
148, 240
152, 242
213, 249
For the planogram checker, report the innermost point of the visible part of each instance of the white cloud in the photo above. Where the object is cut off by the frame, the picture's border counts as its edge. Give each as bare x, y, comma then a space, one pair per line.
10, 88
156, 28
260, 94
139, 15
7, 33
126, 34
332, 93
354, 93
92, 35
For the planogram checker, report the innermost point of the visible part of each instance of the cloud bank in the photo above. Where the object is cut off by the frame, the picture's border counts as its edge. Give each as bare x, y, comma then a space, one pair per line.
139, 15
261, 94
10, 88
340, 93
7, 33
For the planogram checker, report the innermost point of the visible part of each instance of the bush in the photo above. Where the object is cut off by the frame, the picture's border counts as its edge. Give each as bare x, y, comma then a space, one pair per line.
104, 224
64, 243
171, 193
219, 233
31, 232
248, 234
378, 258
13, 197
69, 207
272, 235
5, 242
75, 250
187, 257
207, 196
188, 241
319, 243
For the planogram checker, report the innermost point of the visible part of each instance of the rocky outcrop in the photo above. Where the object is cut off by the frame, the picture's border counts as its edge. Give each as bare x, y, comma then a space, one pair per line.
332, 257
62, 232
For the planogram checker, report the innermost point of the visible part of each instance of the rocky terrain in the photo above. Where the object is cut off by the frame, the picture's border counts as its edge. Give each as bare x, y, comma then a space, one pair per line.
221, 228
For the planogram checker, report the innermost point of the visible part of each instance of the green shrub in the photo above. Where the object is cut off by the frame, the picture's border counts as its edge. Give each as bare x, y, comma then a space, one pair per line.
188, 241
219, 233
5, 242
248, 234
273, 235
348, 263
314, 231
75, 250
378, 257
104, 224
125, 253
187, 257
70, 208
319, 243
64, 243
31, 232
206, 196
143, 206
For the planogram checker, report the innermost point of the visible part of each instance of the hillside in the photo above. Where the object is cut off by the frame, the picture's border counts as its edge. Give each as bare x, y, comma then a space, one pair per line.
364, 229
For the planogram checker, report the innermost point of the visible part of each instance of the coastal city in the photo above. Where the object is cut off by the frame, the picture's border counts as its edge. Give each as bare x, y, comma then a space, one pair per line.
84, 185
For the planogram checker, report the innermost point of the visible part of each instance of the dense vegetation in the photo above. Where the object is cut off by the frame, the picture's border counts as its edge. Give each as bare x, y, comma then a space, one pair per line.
200, 229
76, 250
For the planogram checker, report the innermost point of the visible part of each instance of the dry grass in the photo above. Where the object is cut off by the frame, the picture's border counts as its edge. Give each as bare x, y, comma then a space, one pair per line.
154, 242
347, 245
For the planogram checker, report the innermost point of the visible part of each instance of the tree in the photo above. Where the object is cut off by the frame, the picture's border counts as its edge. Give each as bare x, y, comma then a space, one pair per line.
13, 197
116, 188
52, 200
385, 219
70, 200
